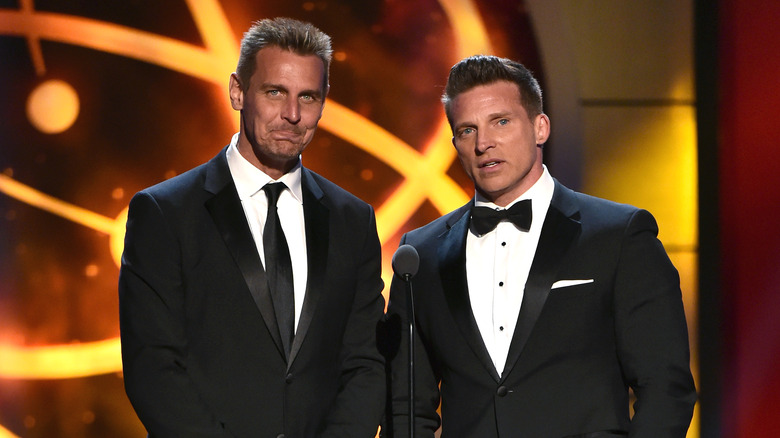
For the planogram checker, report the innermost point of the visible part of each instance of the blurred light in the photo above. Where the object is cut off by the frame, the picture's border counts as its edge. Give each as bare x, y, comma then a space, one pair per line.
118, 193
53, 107
91, 270
88, 417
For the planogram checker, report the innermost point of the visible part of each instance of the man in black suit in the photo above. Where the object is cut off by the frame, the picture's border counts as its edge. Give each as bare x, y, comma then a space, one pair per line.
249, 311
537, 307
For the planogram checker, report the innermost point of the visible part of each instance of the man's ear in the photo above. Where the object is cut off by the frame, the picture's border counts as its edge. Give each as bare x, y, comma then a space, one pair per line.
236, 93
542, 128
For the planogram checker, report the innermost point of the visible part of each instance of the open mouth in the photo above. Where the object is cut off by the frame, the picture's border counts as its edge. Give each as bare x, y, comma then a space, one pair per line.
489, 164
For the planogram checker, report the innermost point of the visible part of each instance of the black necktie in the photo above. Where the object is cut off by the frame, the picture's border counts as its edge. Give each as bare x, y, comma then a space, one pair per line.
278, 267
485, 219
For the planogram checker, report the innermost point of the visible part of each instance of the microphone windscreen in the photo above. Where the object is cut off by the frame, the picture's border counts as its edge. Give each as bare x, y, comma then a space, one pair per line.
406, 261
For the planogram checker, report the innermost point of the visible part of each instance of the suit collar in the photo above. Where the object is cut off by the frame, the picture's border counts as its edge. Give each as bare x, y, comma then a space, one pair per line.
561, 227
452, 270
316, 218
228, 215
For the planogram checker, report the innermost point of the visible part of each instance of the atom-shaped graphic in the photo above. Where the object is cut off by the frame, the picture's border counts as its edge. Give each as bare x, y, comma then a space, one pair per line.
424, 171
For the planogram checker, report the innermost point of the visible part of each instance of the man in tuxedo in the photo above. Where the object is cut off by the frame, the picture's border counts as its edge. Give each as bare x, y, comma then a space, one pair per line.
537, 307
250, 287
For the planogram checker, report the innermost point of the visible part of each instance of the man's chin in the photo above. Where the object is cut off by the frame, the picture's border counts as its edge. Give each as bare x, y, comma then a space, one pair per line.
287, 154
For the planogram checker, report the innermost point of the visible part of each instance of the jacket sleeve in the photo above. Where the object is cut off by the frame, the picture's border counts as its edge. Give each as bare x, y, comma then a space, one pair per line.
652, 336
357, 411
151, 317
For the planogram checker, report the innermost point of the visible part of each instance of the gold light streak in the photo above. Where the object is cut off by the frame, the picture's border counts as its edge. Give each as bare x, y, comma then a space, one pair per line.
33, 197
5, 433
33, 42
424, 173
470, 35
64, 361
212, 64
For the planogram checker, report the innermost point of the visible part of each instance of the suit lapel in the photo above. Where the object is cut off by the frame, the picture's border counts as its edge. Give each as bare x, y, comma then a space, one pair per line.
561, 227
228, 215
452, 269
316, 219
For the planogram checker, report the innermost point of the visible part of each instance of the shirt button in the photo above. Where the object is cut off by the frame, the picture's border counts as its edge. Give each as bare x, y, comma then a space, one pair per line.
501, 328
502, 391
288, 378
500, 283
503, 243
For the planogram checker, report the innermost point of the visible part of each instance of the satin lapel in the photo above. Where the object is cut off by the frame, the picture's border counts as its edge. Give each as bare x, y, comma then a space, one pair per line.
452, 269
561, 227
228, 215
316, 219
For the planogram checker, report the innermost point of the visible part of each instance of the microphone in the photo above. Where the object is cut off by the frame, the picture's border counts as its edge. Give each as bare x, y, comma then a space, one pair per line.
406, 262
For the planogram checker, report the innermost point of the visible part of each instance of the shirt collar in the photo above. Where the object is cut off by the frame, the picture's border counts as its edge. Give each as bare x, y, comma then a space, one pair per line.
249, 179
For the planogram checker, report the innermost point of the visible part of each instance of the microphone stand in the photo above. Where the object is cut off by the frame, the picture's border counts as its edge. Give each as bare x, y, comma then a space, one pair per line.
406, 261
410, 314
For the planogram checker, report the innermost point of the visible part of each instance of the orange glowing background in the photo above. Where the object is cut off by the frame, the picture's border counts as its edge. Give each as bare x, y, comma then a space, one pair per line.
100, 100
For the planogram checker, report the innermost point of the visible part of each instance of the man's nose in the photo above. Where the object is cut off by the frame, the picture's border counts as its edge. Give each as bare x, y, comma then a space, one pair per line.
484, 141
291, 111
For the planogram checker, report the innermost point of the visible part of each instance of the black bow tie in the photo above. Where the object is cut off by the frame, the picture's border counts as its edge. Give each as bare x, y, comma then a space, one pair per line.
485, 219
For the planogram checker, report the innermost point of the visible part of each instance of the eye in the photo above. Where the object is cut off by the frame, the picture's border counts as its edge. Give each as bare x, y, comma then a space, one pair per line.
273, 92
503, 122
465, 131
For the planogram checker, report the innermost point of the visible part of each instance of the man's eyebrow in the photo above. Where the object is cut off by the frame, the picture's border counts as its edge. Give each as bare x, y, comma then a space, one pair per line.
272, 86
464, 125
498, 115
491, 116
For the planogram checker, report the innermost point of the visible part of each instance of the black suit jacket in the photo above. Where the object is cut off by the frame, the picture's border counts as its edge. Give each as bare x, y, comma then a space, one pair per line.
200, 346
575, 351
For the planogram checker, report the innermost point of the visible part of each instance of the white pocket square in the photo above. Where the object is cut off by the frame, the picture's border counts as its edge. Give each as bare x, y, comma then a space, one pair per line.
567, 283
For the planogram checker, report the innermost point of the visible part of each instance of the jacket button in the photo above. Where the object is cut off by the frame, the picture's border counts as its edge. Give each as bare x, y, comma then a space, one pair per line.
281, 435
502, 391
288, 378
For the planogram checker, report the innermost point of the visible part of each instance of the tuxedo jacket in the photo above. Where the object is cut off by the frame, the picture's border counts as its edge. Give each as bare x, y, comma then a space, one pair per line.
201, 348
578, 345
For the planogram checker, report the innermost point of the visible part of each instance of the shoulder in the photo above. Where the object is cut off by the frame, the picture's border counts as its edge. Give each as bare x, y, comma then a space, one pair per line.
330, 192
437, 227
174, 192
179, 183
190, 186
595, 212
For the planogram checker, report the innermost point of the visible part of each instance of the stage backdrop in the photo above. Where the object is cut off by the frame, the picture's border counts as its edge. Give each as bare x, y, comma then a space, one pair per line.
100, 99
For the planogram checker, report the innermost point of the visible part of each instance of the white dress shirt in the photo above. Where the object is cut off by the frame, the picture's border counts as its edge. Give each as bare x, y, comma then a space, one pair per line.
497, 267
249, 182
